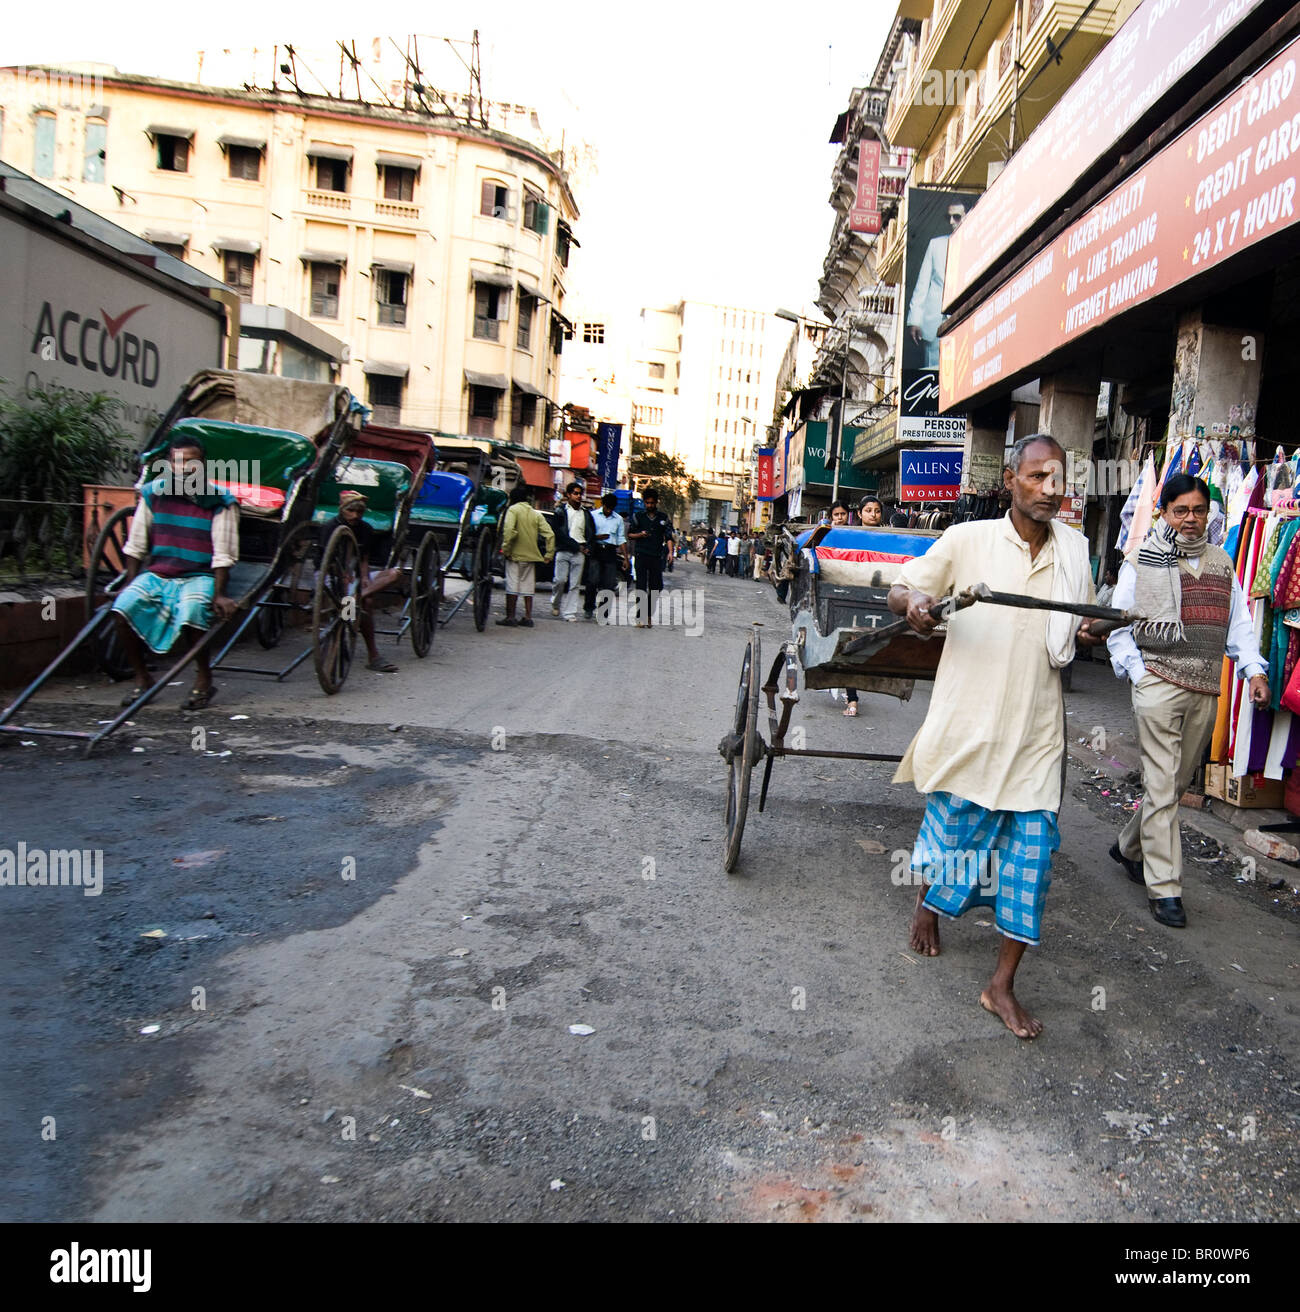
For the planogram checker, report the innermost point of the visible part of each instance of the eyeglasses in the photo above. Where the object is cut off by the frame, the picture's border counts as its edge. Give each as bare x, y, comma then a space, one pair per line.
1179, 513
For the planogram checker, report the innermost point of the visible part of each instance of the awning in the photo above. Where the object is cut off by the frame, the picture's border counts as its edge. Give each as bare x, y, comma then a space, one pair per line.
497, 382
386, 368
562, 319
323, 150
532, 290
397, 266
157, 130
528, 389
537, 473
323, 257
568, 231
248, 143
160, 237
244, 244
492, 278
390, 160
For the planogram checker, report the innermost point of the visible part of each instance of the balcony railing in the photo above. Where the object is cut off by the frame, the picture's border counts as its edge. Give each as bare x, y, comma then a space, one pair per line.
329, 200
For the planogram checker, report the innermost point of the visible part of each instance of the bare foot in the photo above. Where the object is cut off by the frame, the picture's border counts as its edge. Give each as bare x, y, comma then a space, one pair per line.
1002, 1003
925, 928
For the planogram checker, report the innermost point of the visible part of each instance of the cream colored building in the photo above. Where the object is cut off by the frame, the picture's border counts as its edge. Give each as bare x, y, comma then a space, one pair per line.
437, 252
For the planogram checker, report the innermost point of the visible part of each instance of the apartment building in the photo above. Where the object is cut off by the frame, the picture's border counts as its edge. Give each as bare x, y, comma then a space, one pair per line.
436, 252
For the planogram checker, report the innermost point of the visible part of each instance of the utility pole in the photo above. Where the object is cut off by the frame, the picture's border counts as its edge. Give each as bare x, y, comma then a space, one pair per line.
839, 422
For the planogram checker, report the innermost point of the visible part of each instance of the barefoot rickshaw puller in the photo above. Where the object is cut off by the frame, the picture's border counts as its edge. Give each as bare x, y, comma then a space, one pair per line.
185, 534
990, 754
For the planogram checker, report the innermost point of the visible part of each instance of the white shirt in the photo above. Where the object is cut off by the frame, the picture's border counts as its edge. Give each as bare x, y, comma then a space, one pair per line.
1126, 659
577, 524
733, 546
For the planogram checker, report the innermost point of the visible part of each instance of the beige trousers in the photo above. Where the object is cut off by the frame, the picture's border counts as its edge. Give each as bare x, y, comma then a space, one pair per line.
1174, 725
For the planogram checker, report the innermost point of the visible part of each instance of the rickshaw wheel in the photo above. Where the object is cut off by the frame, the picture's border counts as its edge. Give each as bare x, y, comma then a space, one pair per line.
744, 751
270, 621
481, 581
426, 595
108, 574
334, 620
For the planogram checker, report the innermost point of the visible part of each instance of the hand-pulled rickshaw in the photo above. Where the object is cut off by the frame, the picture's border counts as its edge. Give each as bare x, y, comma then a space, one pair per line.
843, 635
292, 435
461, 504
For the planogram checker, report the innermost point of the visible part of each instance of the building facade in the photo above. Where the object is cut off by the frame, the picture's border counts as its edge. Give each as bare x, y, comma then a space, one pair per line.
435, 251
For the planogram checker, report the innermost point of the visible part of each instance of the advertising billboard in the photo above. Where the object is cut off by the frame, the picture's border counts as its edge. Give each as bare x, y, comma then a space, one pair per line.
1226, 182
933, 475
1160, 43
933, 217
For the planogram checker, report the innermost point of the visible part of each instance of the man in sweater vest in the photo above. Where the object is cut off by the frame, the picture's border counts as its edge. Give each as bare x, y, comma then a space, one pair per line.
1193, 612
186, 535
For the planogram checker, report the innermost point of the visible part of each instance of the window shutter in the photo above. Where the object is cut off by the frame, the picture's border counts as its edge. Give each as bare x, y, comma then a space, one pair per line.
543, 218
487, 201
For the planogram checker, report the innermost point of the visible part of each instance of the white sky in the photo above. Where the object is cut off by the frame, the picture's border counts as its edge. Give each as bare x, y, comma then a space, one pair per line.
709, 120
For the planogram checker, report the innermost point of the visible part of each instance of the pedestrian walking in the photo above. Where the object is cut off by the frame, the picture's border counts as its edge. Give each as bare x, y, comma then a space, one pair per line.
733, 554
527, 539
608, 555
649, 530
1194, 613
990, 754
574, 529
718, 553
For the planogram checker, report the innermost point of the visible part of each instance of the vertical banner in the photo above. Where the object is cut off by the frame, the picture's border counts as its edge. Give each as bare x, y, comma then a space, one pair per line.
865, 214
779, 465
766, 461
932, 217
609, 439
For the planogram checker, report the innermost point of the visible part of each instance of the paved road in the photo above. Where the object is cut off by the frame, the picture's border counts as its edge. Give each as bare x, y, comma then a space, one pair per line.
533, 822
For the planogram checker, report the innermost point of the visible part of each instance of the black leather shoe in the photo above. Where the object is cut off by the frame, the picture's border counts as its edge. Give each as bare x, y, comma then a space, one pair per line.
1169, 911
1134, 868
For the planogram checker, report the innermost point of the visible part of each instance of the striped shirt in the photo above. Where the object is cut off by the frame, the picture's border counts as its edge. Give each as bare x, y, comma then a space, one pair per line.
225, 535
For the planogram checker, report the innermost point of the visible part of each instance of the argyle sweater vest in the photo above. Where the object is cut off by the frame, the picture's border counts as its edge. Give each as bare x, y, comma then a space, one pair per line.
180, 538
1196, 662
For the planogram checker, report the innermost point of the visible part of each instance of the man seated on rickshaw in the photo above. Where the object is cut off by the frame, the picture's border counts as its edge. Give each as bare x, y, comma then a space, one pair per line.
185, 534
352, 512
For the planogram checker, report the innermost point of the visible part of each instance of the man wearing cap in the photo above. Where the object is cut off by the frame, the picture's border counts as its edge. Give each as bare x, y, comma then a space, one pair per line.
352, 515
608, 557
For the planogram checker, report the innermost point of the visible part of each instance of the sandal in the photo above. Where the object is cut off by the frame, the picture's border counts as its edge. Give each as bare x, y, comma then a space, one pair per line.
851, 709
199, 698
381, 666
130, 698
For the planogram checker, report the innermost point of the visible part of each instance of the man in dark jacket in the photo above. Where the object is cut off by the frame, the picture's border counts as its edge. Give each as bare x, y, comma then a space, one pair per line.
648, 532
574, 532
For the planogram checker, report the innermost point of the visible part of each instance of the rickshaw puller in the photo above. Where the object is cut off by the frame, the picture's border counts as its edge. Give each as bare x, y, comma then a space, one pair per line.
185, 533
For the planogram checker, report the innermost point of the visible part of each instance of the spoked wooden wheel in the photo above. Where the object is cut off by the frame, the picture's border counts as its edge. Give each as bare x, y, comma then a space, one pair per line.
481, 580
335, 610
273, 614
108, 575
426, 595
740, 749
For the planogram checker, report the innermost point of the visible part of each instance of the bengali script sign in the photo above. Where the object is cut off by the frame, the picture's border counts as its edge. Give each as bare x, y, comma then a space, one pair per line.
1224, 184
1161, 42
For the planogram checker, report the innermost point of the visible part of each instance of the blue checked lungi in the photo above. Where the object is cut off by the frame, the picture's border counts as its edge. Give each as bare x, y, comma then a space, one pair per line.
158, 608
973, 857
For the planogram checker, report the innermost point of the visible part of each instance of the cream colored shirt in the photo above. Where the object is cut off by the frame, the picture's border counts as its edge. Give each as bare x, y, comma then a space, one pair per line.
995, 730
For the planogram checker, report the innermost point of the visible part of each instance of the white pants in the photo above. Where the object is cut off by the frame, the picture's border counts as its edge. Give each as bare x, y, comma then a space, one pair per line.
521, 576
566, 582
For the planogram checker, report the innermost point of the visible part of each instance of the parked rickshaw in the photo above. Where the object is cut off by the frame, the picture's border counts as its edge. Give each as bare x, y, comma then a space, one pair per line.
293, 435
461, 505
843, 635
